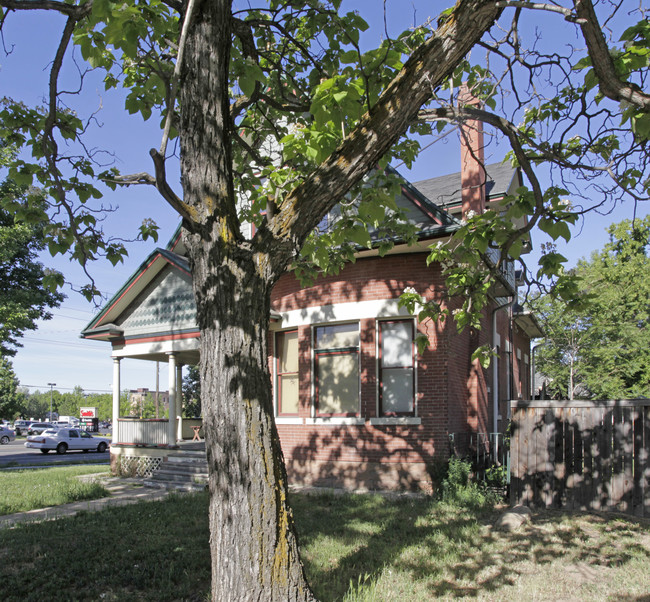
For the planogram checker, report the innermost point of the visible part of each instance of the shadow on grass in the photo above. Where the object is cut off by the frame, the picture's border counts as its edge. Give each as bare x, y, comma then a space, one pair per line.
423, 549
406, 548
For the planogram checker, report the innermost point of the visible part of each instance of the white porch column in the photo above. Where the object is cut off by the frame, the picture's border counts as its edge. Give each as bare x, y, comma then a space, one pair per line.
171, 432
179, 400
116, 399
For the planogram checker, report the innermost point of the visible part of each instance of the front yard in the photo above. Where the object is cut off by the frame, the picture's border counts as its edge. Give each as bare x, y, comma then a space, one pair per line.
355, 547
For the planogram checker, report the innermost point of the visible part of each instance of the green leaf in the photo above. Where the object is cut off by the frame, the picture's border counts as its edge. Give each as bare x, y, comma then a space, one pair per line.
359, 235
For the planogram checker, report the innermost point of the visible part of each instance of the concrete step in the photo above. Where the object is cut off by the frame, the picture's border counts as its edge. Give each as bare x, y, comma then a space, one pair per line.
186, 471
161, 475
170, 485
183, 468
187, 458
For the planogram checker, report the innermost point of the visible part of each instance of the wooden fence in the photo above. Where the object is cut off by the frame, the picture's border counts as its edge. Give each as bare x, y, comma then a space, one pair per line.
581, 455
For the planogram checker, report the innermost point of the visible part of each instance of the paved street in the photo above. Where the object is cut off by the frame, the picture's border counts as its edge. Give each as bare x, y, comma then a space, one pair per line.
15, 454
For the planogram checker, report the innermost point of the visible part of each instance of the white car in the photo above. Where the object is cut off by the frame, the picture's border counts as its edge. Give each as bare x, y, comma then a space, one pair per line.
63, 440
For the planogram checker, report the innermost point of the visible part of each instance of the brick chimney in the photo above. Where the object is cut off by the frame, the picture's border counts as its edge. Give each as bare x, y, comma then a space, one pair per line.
472, 172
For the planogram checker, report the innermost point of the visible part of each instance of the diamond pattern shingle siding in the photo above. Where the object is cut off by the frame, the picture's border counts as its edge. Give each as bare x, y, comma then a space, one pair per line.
166, 304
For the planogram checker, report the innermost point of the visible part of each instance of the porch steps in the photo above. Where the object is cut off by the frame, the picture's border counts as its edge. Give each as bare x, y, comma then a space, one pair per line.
185, 471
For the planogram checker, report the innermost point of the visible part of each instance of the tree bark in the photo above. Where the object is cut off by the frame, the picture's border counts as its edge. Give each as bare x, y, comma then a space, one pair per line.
253, 543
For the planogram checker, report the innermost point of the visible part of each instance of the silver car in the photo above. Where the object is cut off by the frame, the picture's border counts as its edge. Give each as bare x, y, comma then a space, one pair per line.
36, 428
6, 435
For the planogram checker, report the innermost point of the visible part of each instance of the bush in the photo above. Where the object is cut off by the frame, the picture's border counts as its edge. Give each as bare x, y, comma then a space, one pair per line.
458, 487
497, 476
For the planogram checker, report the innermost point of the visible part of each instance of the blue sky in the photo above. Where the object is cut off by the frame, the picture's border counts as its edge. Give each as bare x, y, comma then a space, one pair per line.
55, 353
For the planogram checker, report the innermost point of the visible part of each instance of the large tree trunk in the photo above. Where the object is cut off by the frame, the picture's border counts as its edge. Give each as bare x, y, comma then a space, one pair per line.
252, 538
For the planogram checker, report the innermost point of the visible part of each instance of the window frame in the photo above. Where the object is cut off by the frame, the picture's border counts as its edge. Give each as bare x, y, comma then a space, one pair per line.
279, 374
330, 352
381, 413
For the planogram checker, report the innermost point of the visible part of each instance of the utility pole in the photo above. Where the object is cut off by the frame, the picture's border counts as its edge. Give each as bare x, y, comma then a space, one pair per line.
51, 385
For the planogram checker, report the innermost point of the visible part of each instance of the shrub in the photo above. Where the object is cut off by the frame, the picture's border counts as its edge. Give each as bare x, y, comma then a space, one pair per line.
459, 488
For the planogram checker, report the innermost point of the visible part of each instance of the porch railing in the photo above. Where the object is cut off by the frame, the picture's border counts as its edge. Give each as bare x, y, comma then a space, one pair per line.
142, 431
153, 431
506, 271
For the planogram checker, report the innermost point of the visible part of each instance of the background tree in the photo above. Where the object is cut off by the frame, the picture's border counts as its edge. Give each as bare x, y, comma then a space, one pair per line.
280, 103
558, 357
36, 405
192, 392
103, 402
70, 402
23, 297
11, 397
601, 346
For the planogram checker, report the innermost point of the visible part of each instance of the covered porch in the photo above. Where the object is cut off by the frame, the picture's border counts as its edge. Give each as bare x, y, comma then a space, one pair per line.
151, 318
140, 445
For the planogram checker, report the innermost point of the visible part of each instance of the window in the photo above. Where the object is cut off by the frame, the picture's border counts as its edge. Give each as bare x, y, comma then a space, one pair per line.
396, 367
287, 372
73, 434
337, 369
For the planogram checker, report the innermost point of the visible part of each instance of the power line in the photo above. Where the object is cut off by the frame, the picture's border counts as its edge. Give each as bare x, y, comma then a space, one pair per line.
65, 343
71, 317
67, 388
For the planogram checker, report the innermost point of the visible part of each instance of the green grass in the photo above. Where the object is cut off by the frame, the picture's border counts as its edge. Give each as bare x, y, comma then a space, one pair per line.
154, 551
356, 548
24, 490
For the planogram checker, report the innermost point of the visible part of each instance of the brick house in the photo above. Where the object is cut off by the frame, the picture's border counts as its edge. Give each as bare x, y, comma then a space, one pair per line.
356, 405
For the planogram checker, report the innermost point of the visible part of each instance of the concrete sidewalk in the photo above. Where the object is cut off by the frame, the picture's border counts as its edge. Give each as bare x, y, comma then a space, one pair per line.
122, 492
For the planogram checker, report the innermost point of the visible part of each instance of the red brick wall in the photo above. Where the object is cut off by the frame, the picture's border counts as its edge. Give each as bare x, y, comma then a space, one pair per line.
367, 279
451, 393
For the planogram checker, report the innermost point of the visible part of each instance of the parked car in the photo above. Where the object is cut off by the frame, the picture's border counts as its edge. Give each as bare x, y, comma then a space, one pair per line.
36, 428
6, 435
63, 440
21, 426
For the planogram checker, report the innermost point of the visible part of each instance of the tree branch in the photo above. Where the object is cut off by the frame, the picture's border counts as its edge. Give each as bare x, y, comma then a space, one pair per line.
610, 84
176, 77
552, 8
165, 190
396, 109
76, 11
136, 178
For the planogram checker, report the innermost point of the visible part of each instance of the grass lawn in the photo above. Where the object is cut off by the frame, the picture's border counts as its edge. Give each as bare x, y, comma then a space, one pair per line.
355, 548
23, 490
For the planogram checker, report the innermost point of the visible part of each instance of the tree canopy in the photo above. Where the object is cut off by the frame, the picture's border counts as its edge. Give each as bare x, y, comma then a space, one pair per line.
11, 398
23, 297
280, 112
600, 347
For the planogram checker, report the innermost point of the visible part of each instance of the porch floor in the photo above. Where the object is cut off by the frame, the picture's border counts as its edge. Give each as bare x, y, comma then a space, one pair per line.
188, 445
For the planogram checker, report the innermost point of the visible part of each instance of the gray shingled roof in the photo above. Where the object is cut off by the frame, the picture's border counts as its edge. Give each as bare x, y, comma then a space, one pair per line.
446, 190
